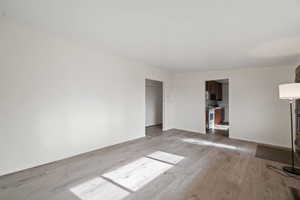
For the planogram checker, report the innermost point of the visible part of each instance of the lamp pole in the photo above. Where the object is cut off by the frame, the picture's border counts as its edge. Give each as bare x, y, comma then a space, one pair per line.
292, 169
292, 134
291, 92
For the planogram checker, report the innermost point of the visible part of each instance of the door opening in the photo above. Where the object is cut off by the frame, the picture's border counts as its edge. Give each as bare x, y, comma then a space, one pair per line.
217, 107
154, 107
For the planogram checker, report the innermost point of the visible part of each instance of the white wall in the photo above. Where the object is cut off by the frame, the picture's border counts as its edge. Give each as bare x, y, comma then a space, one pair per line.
59, 98
256, 113
154, 99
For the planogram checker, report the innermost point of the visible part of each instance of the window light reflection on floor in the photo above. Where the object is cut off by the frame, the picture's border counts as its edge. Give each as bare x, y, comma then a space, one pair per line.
208, 143
99, 188
166, 157
138, 173
119, 183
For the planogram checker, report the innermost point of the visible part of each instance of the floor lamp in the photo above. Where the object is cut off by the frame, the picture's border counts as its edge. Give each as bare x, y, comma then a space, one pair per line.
291, 92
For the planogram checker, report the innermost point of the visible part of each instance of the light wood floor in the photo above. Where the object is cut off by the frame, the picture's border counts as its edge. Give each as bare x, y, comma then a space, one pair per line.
153, 131
208, 172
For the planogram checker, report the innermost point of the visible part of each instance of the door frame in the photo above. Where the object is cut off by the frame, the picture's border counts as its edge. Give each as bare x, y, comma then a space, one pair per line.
163, 101
229, 99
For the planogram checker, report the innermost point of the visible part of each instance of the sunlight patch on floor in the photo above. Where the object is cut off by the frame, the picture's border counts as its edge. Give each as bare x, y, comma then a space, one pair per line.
208, 143
98, 188
137, 174
119, 183
166, 157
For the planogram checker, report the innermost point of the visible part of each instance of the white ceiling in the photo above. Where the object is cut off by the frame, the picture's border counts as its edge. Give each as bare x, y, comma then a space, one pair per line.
175, 34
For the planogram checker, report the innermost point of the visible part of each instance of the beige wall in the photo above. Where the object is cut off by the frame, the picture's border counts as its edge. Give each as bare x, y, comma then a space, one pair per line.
256, 113
59, 98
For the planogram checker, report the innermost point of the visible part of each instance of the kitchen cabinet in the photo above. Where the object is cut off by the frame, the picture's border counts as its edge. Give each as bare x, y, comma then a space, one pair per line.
219, 115
214, 90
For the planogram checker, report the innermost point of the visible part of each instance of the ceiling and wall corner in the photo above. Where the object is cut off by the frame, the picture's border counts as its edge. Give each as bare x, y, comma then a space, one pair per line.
188, 35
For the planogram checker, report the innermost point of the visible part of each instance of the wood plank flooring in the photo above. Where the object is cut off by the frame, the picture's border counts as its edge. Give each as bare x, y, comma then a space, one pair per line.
207, 172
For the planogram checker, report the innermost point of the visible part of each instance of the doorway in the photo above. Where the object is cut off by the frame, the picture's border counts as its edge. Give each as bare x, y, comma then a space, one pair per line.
217, 107
154, 107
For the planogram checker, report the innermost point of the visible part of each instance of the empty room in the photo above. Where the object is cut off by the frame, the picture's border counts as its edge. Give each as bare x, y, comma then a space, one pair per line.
149, 100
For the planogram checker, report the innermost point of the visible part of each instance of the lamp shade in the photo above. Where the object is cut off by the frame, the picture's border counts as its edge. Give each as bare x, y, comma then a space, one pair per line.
289, 91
